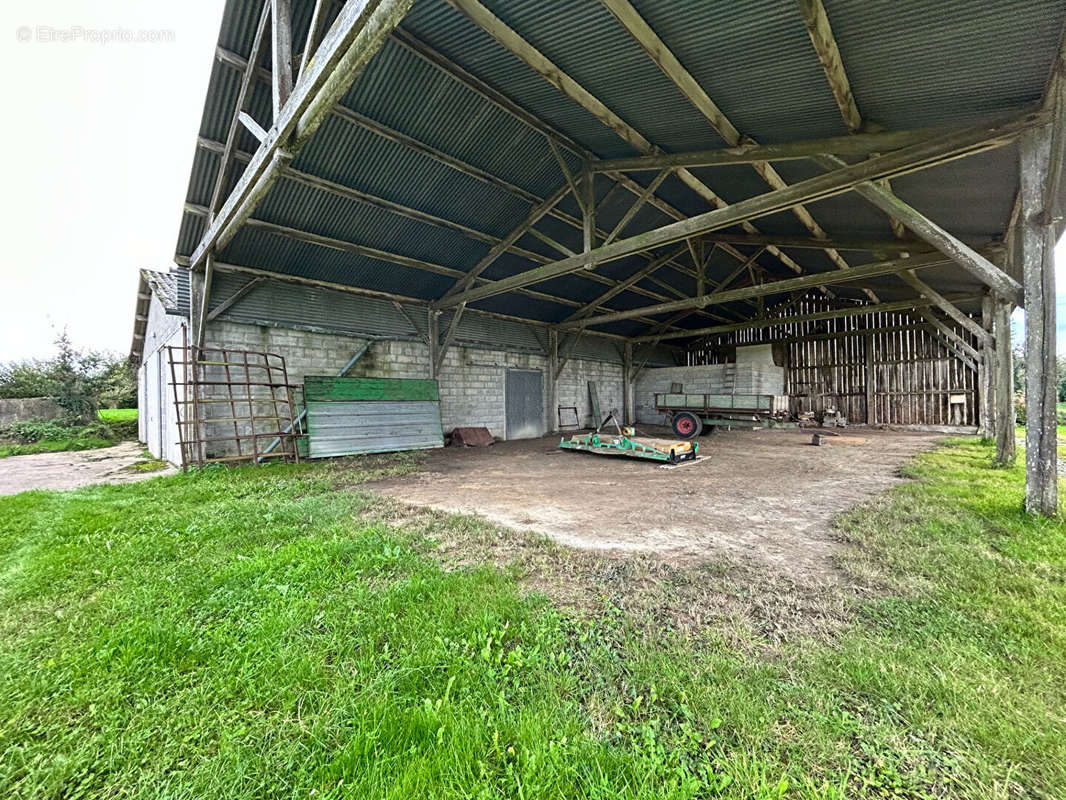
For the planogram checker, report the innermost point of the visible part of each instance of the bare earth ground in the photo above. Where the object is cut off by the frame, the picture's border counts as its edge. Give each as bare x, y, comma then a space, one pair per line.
762, 498
70, 470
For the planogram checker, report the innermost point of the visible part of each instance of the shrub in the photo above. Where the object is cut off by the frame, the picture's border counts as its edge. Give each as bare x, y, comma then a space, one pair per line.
78, 380
35, 430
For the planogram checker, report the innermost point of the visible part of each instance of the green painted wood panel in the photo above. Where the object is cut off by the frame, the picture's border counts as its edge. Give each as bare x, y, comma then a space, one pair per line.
320, 388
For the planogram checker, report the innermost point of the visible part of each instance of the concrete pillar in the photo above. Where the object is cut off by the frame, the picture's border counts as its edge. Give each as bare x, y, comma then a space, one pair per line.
1037, 244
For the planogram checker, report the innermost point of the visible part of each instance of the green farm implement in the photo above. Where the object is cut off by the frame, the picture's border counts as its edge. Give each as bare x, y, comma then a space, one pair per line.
625, 443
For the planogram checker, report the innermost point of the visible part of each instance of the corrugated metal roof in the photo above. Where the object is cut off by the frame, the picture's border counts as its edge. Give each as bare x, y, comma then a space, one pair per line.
165, 287
911, 63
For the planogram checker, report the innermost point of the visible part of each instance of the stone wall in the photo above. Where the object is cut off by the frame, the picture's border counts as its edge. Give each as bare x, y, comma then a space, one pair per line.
18, 409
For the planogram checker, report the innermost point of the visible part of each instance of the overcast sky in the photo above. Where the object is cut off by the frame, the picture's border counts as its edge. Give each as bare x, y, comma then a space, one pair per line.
98, 147
99, 144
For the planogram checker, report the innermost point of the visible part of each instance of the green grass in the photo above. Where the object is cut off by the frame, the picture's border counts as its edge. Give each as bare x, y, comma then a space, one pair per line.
258, 633
117, 414
148, 463
54, 446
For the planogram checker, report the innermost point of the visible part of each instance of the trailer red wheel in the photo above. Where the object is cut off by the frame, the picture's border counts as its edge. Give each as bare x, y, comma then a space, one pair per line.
687, 425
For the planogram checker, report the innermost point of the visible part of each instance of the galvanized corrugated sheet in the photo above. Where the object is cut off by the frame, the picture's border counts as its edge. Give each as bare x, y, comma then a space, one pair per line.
595, 348
490, 332
344, 429
911, 63
292, 304
451, 34
182, 291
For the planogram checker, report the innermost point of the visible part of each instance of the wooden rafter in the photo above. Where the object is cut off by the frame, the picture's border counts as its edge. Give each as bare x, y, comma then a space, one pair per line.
314, 34
771, 322
749, 152
404, 261
495, 97
960, 252
825, 45
640, 274
665, 59
354, 38
243, 96
281, 54
852, 275
945, 305
903, 161
240, 269
452, 162
551, 72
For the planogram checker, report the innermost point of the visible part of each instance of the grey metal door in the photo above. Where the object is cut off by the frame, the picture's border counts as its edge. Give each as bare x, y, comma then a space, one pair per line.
524, 401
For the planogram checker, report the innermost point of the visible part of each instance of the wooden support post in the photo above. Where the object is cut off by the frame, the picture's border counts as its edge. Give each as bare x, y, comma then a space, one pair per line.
453, 328
553, 380
1038, 277
588, 216
628, 410
1005, 417
871, 397
201, 299
986, 373
314, 33
433, 334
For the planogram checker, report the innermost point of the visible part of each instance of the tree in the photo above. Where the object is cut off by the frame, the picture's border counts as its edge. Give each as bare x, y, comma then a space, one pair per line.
79, 381
25, 379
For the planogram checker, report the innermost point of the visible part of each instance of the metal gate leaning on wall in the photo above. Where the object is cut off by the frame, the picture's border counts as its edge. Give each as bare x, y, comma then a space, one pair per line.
523, 396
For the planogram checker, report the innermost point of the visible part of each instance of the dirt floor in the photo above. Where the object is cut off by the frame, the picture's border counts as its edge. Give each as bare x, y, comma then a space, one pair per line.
70, 470
764, 498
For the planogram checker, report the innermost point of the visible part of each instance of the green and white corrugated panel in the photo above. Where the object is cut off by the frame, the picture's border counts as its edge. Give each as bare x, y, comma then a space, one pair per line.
348, 416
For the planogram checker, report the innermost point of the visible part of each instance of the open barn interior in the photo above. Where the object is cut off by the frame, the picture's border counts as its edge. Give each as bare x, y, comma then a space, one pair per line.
487, 207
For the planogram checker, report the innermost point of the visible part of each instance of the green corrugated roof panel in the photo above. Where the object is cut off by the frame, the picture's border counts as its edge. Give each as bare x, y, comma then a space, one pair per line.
325, 389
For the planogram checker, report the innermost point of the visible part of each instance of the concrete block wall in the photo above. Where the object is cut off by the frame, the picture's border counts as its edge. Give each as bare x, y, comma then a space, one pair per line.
574, 389
472, 380
473, 387
709, 379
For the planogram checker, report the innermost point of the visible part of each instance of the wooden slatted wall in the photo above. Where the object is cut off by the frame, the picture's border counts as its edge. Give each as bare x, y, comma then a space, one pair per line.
915, 373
